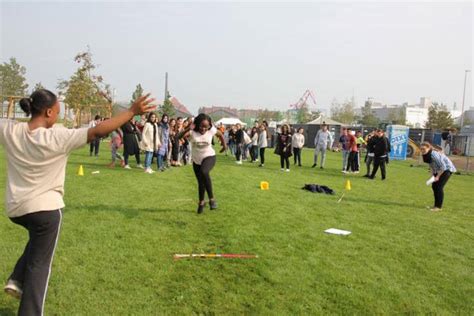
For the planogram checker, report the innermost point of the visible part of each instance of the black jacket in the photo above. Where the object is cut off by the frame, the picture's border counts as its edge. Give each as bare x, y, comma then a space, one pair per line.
380, 146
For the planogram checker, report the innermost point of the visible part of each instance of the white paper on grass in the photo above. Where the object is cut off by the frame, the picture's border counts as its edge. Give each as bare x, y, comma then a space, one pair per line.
430, 180
336, 231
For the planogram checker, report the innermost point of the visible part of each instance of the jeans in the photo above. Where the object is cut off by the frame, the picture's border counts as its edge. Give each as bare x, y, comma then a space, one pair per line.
345, 157
148, 157
322, 150
161, 162
297, 155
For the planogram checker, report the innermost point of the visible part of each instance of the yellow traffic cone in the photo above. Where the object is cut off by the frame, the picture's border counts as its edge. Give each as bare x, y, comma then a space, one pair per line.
80, 172
348, 185
264, 185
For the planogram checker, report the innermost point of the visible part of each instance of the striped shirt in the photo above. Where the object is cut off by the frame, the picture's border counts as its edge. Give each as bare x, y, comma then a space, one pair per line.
441, 163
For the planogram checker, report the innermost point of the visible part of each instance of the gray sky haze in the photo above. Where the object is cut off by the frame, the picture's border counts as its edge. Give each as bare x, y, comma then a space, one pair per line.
250, 54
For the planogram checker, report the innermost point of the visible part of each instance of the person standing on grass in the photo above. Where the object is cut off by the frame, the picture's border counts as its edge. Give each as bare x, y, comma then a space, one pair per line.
239, 143
130, 143
381, 148
344, 145
262, 143
283, 147
441, 168
297, 142
200, 135
322, 141
360, 141
115, 143
353, 152
369, 156
254, 144
164, 141
37, 157
150, 140
94, 145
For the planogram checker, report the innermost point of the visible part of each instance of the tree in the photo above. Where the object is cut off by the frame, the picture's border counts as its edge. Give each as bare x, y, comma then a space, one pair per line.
84, 92
368, 118
38, 86
167, 108
439, 117
303, 115
12, 79
344, 113
137, 93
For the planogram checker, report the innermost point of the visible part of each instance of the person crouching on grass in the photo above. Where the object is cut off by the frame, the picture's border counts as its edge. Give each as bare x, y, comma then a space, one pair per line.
442, 168
200, 136
37, 157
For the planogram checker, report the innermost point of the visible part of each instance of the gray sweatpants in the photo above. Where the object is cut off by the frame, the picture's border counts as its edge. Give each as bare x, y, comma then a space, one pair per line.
322, 150
33, 269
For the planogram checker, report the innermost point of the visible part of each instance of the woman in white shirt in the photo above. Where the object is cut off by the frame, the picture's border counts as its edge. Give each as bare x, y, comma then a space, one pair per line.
37, 157
297, 142
203, 156
262, 143
150, 140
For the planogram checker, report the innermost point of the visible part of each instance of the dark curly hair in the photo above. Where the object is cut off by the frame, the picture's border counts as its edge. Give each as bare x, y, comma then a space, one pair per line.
201, 118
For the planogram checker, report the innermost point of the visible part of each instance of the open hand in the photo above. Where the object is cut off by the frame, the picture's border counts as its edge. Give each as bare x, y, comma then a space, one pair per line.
143, 105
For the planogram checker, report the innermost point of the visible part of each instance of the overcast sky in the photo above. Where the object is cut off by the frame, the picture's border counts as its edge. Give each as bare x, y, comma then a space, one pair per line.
251, 55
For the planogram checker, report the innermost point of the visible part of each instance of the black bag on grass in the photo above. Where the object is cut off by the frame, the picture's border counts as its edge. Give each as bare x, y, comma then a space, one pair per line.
316, 188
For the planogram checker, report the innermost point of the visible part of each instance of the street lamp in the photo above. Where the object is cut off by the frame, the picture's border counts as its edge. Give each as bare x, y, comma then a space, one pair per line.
463, 96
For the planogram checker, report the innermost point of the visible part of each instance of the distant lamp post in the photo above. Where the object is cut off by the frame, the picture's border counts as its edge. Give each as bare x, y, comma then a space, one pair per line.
463, 97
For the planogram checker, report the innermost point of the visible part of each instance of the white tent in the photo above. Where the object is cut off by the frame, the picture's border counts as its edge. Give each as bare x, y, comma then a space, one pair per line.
321, 119
230, 121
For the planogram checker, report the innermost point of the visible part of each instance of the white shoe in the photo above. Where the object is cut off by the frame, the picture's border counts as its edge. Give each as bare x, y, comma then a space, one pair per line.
127, 167
13, 288
282, 169
148, 170
344, 171
239, 162
140, 166
287, 170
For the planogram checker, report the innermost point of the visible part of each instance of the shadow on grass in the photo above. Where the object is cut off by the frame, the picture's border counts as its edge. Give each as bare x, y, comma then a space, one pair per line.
5, 311
132, 211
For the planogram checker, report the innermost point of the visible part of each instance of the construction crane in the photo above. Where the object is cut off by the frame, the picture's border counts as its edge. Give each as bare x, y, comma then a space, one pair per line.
308, 94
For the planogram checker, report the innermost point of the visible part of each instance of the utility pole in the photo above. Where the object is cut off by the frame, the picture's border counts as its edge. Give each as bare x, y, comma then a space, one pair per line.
166, 86
463, 96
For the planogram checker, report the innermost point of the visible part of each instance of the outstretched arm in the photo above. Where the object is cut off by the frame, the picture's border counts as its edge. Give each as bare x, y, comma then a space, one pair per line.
140, 106
222, 140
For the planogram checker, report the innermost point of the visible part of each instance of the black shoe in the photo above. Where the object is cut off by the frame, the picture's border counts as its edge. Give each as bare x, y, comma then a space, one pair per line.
299, 165
383, 179
366, 176
212, 204
314, 165
200, 208
321, 167
370, 177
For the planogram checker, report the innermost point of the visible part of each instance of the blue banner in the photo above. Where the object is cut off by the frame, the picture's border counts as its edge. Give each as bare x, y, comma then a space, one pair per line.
398, 136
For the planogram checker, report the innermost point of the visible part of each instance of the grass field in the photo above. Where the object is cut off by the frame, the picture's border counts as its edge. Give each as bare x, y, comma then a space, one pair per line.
122, 227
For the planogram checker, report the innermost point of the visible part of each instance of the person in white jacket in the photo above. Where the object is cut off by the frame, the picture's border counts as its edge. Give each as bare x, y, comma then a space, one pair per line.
150, 140
297, 142
321, 142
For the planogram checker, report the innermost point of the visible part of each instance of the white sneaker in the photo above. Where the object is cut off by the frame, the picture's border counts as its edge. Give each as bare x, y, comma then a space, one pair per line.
282, 169
127, 167
344, 171
287, 170
148, 170
239, 162
256, 160
140, 166
13, 288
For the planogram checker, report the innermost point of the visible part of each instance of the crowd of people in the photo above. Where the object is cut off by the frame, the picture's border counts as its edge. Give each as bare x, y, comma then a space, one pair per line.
37, 157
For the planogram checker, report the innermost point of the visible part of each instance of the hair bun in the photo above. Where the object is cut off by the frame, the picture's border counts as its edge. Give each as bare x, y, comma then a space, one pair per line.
25, 105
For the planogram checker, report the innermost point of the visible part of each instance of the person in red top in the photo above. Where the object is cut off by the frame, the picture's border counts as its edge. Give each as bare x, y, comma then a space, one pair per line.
352, 161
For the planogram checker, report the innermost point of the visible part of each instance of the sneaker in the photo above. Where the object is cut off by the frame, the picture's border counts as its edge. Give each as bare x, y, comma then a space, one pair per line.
149, 171
127, 167
435, 209
344, 171
239, 162
321, 167
356, 171
366, 176
261, 165
287, 170
200, 208
314, 165
256, 160
212, 204
282, 169
13, 288
140, 166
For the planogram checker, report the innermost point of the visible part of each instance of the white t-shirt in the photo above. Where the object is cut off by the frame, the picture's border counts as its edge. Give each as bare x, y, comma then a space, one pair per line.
36, 165
201, 145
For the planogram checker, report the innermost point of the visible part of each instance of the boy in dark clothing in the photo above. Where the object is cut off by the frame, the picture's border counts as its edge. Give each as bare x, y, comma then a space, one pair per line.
381, 148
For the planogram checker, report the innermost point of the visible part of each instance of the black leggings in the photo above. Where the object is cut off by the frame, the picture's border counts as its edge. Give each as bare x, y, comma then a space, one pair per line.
33, 269
297, 155
94, 146
204, 179
438, 187
126, 155
262, 155
284, 160
238, 152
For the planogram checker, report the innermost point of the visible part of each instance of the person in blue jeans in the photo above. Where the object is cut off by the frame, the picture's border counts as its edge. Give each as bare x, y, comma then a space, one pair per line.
150, 140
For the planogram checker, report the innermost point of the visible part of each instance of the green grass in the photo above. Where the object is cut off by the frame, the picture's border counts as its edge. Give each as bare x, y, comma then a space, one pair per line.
122, 227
